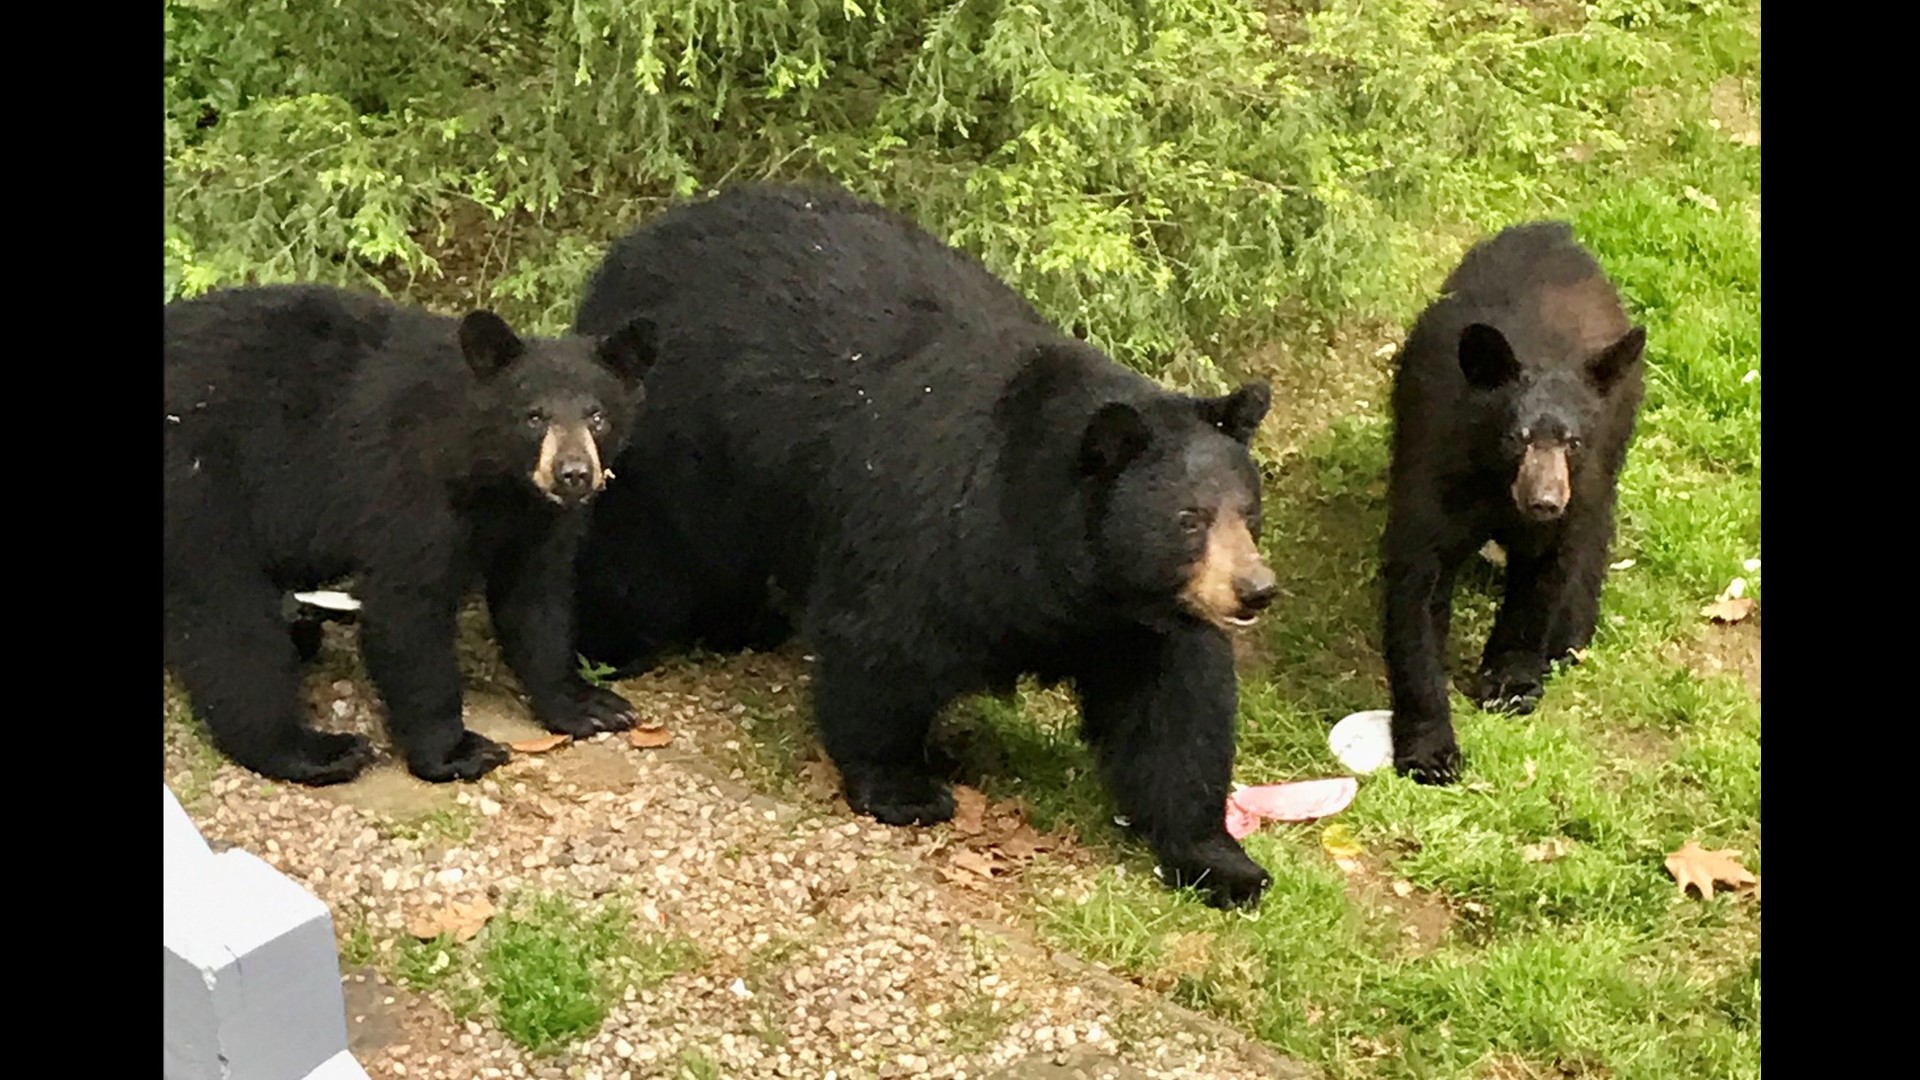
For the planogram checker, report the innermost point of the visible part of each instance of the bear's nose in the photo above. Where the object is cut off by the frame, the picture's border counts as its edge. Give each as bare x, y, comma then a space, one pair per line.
1546, 506
573, 477
1256, 590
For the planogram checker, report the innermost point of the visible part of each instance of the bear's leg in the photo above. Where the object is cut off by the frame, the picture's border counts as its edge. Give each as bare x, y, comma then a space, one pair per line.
1419, 603
228, 644
635, 593
873, 719
1515, 664
1584, 547
530, 595
1159, 710
407, 637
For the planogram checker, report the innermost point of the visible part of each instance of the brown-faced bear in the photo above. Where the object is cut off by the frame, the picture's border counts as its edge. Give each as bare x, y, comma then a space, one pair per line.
1513, 406
952, 491
312, 434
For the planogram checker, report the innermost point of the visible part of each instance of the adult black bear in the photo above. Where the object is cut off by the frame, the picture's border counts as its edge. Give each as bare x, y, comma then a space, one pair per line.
954, 492
1513, 407
313, 433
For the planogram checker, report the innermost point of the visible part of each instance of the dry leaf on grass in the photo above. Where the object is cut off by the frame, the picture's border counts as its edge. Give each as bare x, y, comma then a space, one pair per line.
649, 738
1699, 868
989, 837
1732, 605
461, 918
1728, 611
540, 745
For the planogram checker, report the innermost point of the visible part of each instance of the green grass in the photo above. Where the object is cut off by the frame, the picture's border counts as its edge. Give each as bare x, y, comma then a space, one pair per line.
186, 735
1590, 963
545, 971
449, 824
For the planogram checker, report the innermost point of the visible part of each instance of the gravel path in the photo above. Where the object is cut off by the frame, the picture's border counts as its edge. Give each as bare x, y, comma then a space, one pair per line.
828, 946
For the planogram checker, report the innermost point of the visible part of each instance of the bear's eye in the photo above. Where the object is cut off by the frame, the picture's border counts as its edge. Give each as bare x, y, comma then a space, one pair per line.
536, 418
1573, 443
597, 420
1192, 520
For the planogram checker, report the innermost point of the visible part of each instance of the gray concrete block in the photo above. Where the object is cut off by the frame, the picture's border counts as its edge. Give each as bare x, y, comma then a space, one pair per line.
252, 985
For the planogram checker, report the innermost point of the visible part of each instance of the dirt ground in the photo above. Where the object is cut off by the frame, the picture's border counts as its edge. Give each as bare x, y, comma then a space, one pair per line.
828, 945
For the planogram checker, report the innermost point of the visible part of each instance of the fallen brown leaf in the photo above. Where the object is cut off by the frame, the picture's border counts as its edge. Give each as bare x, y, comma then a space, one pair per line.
540, 745
461, 918
1730, 610
1699, 868
969, 810
822, 779
969, 868
649, 738
1021, 842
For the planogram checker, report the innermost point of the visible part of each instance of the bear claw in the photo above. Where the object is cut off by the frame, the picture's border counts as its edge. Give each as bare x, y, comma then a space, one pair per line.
1434, 766
472, 757
899, 797
588, 711
324, 758
1222, 873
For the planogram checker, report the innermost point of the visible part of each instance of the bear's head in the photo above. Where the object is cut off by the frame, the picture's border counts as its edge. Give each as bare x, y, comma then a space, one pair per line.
563, 406
1541, 412
1176, 506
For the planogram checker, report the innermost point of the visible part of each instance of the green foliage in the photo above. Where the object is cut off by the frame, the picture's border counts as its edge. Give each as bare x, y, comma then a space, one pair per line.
1152, 172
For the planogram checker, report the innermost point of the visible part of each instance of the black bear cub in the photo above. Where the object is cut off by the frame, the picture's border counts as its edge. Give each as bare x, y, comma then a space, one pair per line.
312, 434
954, 493
1513, 406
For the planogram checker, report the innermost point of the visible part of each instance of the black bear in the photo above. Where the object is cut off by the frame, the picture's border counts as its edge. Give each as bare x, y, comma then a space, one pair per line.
313, 433
1513, 405
953, 493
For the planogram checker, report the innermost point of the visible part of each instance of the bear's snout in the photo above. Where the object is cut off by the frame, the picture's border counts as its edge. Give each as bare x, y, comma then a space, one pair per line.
1230, 584
569, 470
574, 478
1542, 487
1255, 588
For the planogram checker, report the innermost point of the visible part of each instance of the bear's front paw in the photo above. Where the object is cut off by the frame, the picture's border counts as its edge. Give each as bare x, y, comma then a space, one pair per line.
1220, 870
321, 758
587, 710
897, 796
1429, 759
1511, 684
473, 757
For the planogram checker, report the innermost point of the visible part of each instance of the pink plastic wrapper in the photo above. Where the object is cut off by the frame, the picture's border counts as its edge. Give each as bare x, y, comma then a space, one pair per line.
1303, 800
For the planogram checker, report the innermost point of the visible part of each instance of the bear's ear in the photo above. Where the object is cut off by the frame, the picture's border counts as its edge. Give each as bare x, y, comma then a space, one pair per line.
488, 343
1485, 357
1114, 437
1239, 414
631, 350
1617, 359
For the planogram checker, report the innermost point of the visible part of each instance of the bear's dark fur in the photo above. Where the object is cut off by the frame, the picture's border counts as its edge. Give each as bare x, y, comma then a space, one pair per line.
312, 434
954, 493
1513, 407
